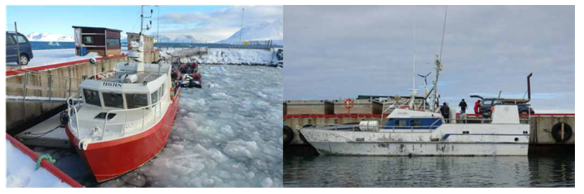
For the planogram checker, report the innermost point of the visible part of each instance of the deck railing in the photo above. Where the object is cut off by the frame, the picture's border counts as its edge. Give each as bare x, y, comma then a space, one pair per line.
157, 114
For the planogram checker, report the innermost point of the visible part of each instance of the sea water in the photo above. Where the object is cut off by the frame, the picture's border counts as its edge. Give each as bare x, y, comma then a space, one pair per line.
367, 171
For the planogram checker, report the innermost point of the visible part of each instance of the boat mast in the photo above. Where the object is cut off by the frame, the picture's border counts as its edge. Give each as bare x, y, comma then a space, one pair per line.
414, 90
439, 64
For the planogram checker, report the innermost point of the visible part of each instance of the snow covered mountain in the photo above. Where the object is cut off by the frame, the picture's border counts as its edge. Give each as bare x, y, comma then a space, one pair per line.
37, 36
263, 31
178, 38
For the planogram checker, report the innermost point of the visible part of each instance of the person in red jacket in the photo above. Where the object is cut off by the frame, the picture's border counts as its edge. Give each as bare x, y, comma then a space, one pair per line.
477, 107
198, 77
194, 65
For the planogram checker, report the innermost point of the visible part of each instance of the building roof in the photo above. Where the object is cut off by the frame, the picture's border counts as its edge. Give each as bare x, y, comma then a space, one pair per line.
101, 28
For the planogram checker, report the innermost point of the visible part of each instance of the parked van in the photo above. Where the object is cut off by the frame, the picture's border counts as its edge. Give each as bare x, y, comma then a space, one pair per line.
25, 49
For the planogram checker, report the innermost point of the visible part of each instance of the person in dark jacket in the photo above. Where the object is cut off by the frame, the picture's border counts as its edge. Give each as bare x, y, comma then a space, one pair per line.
445, 112
463, 106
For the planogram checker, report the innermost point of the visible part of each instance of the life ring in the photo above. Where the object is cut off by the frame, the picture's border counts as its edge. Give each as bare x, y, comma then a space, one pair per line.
557, 132
288, 135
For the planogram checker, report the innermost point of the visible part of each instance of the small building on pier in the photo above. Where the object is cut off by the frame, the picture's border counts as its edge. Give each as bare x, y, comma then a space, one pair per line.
104, 41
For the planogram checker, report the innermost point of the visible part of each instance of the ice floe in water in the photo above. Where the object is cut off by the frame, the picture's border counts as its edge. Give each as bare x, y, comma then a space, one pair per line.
225, 135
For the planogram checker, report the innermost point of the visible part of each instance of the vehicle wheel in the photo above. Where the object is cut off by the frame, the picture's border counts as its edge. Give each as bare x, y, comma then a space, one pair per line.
288, 135
24, 59
557, 132
307, 125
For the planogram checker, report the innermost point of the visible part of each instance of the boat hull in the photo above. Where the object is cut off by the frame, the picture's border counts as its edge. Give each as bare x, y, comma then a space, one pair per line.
447, 140
110, 159
421, 149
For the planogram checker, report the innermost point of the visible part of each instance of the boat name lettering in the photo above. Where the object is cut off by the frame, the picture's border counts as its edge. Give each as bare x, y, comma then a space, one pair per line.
112, 84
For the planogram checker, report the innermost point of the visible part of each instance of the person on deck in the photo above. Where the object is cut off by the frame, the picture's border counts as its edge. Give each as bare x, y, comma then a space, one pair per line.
184, 68
198, 77
477, 107
445, 111
463, 106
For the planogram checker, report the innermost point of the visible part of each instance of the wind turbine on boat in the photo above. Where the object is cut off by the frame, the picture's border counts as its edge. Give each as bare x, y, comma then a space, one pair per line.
425, 86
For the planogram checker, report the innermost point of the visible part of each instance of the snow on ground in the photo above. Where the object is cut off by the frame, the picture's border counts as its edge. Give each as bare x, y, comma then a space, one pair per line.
21, 172
54, 56
49, 57
225, 135
231, 56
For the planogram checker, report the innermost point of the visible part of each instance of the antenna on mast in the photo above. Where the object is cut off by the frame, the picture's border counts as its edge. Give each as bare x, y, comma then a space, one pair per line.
439, 64
414, 90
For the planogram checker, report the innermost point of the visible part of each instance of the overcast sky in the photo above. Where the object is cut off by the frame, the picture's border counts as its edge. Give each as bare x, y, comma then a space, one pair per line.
337, 52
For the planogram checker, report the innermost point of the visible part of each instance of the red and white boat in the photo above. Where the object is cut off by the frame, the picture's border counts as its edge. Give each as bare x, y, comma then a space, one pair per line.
125, 116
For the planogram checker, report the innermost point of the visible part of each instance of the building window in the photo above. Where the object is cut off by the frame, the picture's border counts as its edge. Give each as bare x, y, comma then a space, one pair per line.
113, 42
87, 39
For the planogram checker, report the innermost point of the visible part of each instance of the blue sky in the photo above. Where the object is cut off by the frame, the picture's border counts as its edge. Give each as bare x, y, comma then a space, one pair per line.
337, 52
208, 22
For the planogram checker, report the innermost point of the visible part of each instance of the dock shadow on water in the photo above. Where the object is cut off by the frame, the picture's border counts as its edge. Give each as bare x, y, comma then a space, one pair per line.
373, 171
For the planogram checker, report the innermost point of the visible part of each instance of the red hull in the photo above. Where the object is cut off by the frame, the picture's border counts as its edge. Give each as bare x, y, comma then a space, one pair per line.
111, 159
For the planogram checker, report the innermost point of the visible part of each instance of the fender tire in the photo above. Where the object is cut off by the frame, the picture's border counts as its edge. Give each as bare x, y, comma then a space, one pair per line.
557, 130
288, 135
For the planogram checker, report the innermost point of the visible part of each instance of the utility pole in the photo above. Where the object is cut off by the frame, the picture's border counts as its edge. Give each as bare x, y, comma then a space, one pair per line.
158, 27
241, 27
17, 46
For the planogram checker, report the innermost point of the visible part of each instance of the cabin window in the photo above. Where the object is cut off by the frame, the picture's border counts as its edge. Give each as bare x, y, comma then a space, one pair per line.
136, 100
162, 91
114, 100
416, 122
154, 97
91, 97
401, 122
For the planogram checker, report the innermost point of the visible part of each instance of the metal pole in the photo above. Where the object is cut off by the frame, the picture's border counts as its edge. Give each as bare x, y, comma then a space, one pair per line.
17, 46
141, 19
158, 27
241, 27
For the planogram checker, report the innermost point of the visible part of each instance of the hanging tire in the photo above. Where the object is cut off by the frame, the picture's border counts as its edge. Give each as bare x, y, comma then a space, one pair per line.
557, 132
64, 118
288, 135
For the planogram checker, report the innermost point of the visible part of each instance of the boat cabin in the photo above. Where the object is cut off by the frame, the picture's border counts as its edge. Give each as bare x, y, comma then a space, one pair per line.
124, 102
408, 119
